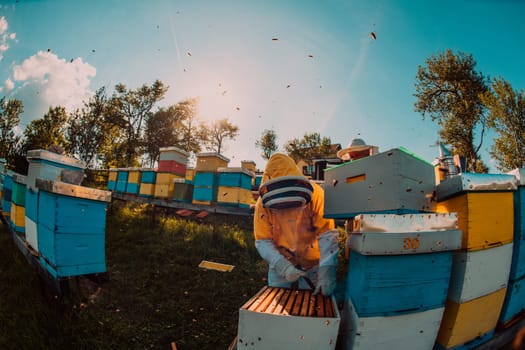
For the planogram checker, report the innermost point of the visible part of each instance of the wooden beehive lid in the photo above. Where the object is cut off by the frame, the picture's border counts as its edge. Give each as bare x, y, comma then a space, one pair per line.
174, 149
235, 170
19, 178
466, 182
405, 223
40, 154
212, 155
519, 173
77, 191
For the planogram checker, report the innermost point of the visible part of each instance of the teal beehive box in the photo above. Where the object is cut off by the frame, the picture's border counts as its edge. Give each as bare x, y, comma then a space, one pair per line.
401, 263
71, 228
396, 181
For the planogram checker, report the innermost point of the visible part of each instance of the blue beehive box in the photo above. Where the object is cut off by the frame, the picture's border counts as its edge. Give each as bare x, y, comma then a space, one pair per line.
7, 192
514, 303
517, 270
235, 177
205, 187
401, 263
112, 179
71, 228
122, 180
149, 176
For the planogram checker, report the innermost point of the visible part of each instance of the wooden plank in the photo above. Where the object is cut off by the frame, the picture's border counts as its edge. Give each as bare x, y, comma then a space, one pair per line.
275, 301
254, 298
329, 310
263, 305
297, 305
306, 304
320, 306
282, 302
290, 303
255, 305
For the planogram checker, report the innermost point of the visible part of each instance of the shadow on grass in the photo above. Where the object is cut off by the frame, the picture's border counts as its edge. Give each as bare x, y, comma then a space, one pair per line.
154, 292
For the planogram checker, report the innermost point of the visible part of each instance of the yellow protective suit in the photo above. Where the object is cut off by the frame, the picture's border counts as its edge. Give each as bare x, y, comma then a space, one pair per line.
295, 232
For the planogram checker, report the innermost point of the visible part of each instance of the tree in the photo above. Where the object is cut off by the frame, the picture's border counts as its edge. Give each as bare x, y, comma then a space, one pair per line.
88, 131
449, 90
130, 110
10, 111
267, 143
47, 131
217, 133
169, 127
310, 147
507, 117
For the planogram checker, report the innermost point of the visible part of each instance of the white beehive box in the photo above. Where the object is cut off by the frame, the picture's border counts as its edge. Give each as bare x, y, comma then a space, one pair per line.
51, 166
417, 331
480, 272
280, 318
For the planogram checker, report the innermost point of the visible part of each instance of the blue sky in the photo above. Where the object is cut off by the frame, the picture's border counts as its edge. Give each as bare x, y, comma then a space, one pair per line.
324, 73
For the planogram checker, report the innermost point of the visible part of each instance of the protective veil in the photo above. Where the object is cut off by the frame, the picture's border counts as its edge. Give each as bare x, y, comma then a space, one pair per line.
296, 241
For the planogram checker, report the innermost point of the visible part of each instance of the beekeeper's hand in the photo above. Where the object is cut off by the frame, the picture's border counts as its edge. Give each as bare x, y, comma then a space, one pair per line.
284, 268
325, 280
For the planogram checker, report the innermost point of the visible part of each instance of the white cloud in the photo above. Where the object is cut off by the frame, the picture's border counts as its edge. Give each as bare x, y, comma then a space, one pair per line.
44, 81
4, 36
9, 84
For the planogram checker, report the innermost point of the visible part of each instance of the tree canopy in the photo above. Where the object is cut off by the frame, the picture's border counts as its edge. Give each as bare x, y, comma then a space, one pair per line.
506, 116
217, 133
449, 90
310, 147
267, 143
10, 111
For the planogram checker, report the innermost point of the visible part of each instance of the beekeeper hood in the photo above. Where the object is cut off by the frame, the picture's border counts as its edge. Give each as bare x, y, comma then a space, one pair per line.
283, 185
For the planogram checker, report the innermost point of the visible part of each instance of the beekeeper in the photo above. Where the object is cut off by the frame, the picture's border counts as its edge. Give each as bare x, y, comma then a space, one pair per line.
357, 149
300, 246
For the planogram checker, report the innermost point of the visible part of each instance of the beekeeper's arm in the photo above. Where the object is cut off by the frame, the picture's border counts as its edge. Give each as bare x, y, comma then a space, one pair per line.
328, 246
267, 249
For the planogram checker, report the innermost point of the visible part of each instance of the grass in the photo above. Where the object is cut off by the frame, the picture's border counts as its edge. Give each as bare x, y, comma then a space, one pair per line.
154, 293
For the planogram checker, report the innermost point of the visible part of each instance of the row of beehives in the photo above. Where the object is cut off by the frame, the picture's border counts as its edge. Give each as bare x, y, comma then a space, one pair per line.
58, 221
210, 182
429, 266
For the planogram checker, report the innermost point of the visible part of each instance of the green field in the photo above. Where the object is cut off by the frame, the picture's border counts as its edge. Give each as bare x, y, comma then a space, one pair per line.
154, 294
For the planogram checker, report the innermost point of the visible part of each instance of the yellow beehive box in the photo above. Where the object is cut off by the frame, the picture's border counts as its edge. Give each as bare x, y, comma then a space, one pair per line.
249, 164
134, 175
464, 322
485, 218
147, 190
112, 174
201, 202
166, 178
210, 162
235, 196
164, 190
18, 214
190, 174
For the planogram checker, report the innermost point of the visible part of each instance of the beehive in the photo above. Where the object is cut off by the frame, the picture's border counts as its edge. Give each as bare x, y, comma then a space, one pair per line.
173, 154
249, 165
400, 263
18, 202
395, 181
417, 330
52, 166
210, 162
112, 179
182, 190
514, 304
147, 183
122, 180
133, 183
464, 322
7, 192
234, 187
71, 228
205, 187
484, 203
190, 174
280, 318
164, 185
517, 270
31, 219
480, 272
